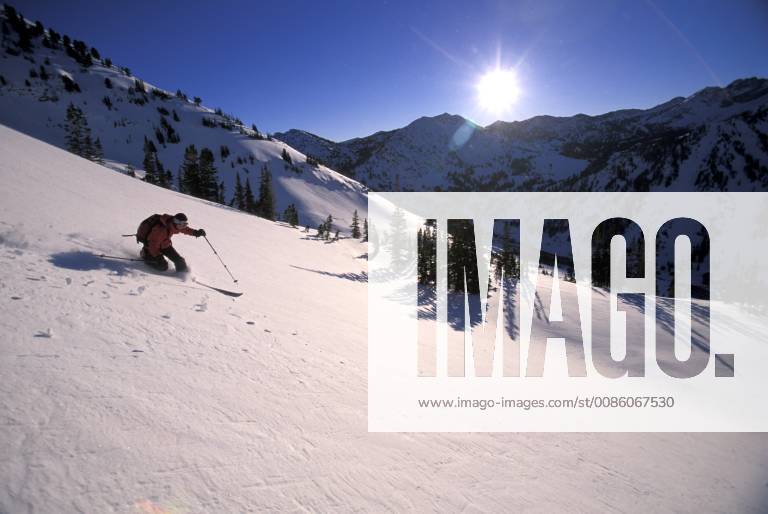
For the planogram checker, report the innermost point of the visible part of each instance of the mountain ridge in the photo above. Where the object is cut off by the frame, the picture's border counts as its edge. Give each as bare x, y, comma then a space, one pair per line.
43, 72
562, 152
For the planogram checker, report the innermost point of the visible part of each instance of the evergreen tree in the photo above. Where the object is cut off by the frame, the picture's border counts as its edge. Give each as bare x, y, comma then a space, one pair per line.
399, 241
365, 230
239, 197
107, 83
79, 136
313, 161
74, 127
25, 41
291, 215
55, 37
151, 173
286, 156
70, 86
287, 213
79, 52
162, 175
427, 253
180, 181
420, 258
462, 257
209, 184
321, 231
98, 152
266, 205
222, 199
249, 200
506, 260
189, 174
355, 226
328, 226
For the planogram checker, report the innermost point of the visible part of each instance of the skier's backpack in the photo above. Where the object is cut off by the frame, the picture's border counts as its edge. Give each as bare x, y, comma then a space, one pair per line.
146, 226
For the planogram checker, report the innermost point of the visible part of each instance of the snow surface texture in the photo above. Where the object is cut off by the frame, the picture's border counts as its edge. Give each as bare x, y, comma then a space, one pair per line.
125, 390
39, 110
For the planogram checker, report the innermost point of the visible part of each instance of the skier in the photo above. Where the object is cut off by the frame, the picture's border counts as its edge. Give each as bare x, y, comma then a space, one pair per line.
157, 243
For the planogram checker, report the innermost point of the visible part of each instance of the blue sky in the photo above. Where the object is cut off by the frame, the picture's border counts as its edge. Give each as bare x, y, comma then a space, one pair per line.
345, 69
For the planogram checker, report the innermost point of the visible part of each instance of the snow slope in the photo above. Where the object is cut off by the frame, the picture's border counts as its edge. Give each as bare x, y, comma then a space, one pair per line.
128, 391
37, 107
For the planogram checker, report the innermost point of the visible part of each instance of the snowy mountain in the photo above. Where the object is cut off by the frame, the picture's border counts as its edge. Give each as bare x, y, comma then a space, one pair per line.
42, 73
125, 390
716, 139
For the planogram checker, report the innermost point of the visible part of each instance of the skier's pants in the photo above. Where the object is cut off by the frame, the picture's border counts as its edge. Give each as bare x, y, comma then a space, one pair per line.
159, 262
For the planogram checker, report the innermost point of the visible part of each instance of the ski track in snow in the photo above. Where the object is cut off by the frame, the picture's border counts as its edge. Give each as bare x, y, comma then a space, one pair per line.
125, 390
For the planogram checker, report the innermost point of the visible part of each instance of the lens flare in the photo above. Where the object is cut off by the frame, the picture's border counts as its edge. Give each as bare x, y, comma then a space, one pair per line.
498, 90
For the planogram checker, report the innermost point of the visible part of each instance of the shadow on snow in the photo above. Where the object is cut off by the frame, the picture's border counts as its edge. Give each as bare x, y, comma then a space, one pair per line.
355, 277
86, 261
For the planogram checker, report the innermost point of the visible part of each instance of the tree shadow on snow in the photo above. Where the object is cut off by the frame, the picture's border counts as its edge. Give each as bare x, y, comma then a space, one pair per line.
355, 277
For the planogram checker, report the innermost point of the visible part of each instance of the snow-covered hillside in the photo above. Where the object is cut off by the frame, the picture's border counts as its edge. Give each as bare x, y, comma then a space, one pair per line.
716, 139
122, 110
129, 391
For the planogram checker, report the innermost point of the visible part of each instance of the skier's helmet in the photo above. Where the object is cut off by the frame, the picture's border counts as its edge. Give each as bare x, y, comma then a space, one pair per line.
180, 220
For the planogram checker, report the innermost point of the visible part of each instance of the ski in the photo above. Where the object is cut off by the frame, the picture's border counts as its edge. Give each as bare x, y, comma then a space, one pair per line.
104, 256
233, 294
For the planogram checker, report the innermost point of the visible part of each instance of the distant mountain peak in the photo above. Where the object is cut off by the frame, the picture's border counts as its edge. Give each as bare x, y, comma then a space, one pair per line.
714, 139
439, 120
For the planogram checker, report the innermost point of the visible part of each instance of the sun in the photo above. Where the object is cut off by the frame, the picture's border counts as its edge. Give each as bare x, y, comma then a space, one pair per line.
498, 90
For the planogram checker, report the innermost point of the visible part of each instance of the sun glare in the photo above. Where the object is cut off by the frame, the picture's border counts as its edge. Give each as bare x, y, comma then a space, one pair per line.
498, 90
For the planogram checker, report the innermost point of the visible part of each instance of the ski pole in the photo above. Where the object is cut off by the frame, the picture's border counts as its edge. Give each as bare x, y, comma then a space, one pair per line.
127, 235
222, 262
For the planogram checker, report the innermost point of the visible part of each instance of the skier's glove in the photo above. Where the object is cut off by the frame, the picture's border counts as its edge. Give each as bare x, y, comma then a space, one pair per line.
199, 232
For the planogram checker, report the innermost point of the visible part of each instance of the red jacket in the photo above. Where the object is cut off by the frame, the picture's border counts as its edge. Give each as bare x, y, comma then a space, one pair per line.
159, 237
